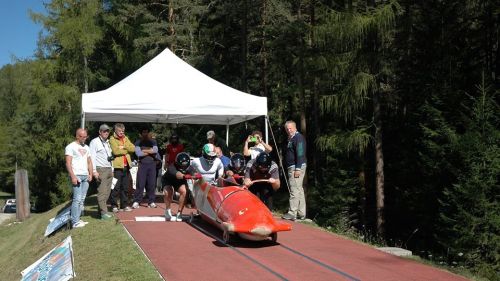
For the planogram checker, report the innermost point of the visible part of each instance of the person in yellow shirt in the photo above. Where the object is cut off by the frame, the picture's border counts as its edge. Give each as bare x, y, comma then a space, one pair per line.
121, 148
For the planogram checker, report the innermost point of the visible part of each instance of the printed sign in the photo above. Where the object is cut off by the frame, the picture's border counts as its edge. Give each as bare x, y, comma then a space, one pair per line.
61, 219
56, 265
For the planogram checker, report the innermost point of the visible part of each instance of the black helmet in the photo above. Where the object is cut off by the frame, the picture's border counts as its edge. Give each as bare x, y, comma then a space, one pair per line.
237, 163
182, 162
263, 162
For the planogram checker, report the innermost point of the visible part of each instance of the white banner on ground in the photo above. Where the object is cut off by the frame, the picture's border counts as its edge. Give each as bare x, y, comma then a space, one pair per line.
56, 265
150, 218
61, 219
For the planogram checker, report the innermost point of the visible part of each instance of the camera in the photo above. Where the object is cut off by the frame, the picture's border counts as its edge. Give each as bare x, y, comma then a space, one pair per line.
253, 139
111, 158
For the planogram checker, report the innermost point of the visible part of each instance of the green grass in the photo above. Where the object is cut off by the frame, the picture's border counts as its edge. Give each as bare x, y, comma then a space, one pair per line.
102, 249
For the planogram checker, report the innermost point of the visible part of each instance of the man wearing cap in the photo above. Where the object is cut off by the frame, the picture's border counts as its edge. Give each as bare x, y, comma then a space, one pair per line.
100, 152
208, 165
213, 139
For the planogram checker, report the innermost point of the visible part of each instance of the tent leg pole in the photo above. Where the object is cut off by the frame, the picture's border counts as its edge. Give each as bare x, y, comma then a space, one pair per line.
265, 129
82, 125
227, 134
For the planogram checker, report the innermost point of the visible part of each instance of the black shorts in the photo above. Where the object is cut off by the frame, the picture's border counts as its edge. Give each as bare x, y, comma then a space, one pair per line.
175, 183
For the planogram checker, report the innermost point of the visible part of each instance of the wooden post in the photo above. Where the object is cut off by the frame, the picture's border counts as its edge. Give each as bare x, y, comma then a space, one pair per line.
22, 195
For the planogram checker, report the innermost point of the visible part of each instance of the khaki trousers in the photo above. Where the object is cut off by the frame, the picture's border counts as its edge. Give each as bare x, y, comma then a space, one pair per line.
104, 188
297, 198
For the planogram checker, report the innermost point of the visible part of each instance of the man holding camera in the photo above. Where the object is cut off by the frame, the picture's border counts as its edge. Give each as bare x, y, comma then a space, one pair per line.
100, 152
254, 145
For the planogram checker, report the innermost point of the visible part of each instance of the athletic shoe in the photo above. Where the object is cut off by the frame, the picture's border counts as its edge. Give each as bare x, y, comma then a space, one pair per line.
135, 205
106, 216
169, 216
127, 209
78, 224
152, 205
288, 216
83, 222
115, 210
178, 217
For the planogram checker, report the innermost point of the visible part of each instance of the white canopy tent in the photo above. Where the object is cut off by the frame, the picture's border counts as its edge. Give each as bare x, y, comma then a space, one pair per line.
169, 90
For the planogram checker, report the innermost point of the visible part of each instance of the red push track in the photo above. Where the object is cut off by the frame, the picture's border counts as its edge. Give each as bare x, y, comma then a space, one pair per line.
183, 251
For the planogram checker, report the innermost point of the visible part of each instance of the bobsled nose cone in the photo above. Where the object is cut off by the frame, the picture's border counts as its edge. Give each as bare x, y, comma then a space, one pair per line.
261, 231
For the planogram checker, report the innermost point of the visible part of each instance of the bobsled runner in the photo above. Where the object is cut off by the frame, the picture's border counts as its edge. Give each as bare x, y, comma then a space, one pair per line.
236, 211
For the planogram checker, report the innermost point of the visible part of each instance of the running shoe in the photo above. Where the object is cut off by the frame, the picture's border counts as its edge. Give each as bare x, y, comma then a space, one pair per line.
169, 216
78, 225
106, 216
288, 216
178, 217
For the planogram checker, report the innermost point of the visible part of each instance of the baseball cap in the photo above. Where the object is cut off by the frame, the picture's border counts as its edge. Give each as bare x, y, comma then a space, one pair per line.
104, 127
210, 134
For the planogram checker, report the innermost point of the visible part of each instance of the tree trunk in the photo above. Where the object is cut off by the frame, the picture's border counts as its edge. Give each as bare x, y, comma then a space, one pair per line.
171, 28
362, 193
315, 95
379, 164
244, 48
263, 50
85, 75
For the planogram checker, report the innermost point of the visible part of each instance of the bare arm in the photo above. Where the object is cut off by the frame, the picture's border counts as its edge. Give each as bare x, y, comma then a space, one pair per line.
89, 168
74, 179
267, 147
246, 151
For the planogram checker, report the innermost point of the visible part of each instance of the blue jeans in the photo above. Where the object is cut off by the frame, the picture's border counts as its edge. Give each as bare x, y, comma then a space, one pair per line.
79, 194
146, 178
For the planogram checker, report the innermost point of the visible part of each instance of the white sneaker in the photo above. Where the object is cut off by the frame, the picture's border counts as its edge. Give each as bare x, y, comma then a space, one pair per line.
135, 205
178, 217
152, 205
83, 222
127, 209
115, 210
78, 224
169, 216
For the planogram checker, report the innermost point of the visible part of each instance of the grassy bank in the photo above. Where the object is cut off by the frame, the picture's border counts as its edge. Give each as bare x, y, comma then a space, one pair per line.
102, 249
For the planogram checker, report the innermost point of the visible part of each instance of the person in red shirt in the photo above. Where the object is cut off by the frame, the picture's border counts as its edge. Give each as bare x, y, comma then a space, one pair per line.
173, 148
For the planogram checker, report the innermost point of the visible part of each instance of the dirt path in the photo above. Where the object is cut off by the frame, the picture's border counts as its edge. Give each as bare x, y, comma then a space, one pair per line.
5, 217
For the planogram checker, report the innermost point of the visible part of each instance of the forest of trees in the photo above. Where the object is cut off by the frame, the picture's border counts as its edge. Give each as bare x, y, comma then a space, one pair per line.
398, 100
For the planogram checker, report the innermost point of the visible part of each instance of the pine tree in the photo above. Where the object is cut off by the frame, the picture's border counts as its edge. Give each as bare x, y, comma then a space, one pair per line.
469, 208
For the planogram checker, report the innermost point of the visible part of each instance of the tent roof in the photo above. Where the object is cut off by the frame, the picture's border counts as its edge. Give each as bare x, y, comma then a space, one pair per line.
169, 90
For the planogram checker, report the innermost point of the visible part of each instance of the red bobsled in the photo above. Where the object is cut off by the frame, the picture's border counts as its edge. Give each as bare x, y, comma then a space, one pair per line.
235, 210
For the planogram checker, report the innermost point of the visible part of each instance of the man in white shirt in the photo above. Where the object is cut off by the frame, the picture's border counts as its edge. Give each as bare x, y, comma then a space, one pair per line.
208, 165
79, 167
100, 152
